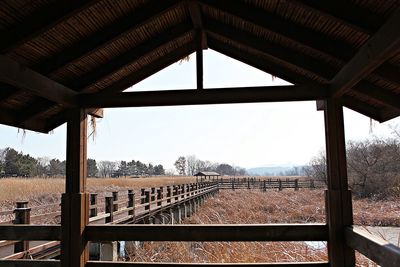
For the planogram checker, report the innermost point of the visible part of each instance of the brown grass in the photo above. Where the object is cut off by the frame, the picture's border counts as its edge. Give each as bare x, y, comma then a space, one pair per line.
244, 207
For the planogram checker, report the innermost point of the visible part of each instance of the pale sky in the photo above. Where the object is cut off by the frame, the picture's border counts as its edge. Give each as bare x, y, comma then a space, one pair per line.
247, 135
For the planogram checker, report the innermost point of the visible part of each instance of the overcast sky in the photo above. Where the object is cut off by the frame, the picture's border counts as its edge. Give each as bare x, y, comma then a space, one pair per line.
247, 135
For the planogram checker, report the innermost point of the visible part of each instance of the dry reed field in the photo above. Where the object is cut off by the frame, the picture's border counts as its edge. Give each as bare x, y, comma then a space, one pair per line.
40, 191
246, 207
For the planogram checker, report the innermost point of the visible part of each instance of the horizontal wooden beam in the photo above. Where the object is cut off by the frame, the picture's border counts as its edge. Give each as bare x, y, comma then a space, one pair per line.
30, 263
206, 96
211, 233
372, 246
11, 118
21, 77
169, 264
30, 232
381, 46
106, 35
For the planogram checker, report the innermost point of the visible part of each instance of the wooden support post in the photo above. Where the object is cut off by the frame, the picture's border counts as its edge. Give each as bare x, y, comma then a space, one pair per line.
199, 68
296, 184
147, 200
131, 203
280, 184
153, 194
115, 199
93, 203
169, 194
22, 216
159, 196
338, 197
109, 208
142, 196
75, 201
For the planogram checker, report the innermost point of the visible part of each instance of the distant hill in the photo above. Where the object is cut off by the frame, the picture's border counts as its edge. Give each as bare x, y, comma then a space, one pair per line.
273, 171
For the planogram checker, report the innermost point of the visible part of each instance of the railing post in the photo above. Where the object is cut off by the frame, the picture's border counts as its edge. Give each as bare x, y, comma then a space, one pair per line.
265, 186
168, 194
280, 184
153, 194
147, 200
93, 203
159, 196
142, 196
131, 203
296, 184
22, 216
109, 208
115, 199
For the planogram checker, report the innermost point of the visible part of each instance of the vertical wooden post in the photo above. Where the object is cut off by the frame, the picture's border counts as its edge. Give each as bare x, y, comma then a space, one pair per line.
338, 198
22, 216
75, 201
131, 202
159, 196
168, 194
115, 199
142, 196
93, 203
280, 184
296, 184
109, 208
147, 200
199, 67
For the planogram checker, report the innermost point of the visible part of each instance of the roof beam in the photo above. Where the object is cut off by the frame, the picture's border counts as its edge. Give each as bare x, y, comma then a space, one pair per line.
153, 68
40, 22
280, 52
106, 35
196, 16
383, 96
361, 107
380, 47
11, 119
134, 54
258, 62
207, 96
297, 33
21, 77
346, 13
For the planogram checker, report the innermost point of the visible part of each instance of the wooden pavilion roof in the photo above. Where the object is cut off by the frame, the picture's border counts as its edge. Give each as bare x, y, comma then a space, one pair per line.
61, 54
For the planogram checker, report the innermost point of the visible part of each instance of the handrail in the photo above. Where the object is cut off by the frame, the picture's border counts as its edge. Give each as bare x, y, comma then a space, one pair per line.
372, 246
169, 264
213, 232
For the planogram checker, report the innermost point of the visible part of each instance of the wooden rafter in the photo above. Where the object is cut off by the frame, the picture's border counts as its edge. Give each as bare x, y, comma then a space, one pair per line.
209, 96
106, 35
40, 22
258, 62
295, 32
383, 96
381, 46
21, 77
280, 52
346, 13
361, 107
154, 67
134, 54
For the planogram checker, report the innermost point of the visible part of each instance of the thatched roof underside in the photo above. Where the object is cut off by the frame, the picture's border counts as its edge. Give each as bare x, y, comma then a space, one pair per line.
104, 47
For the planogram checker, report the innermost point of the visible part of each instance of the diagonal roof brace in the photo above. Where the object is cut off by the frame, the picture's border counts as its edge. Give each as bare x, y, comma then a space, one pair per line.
381, 46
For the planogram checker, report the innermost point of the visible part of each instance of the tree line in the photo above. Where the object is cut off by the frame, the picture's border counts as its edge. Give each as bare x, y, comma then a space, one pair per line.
14, 163
373, 166
190, 165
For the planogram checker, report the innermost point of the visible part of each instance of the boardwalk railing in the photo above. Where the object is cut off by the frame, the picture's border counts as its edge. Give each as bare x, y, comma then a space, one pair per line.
270, 183
169, 204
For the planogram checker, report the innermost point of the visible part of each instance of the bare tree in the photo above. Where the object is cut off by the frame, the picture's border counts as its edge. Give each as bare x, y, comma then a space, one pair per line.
106, 168
191, 163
